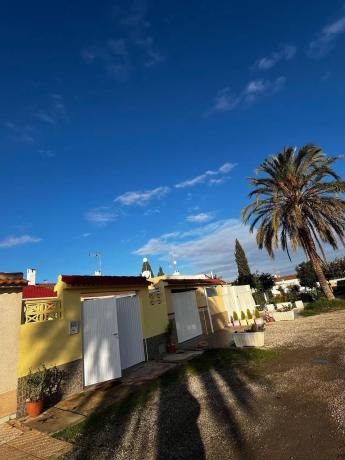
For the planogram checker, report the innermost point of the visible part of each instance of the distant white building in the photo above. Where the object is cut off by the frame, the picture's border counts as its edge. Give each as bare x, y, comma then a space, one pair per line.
285, 282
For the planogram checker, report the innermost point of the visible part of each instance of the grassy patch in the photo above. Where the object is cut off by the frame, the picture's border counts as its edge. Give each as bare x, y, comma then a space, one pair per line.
323, 306
210, 359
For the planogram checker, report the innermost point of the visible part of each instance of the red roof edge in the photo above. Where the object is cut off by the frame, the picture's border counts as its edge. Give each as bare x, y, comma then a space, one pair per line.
206, 281
93, 280
35, 292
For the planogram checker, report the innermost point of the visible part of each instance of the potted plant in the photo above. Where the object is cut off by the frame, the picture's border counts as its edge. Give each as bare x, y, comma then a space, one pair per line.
258, 320
250, 320
284, 313
243, 319
235, 320
34, 388
171, 346
253, 337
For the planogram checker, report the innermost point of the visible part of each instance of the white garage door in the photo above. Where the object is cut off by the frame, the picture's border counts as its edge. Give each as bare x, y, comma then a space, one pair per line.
130, 333
187, 317
100, 341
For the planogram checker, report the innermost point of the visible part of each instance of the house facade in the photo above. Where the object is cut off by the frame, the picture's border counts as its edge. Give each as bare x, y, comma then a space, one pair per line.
92, 328
11, 288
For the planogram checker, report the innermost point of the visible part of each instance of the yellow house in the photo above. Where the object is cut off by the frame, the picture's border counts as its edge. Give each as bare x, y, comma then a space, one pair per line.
92, 328
195, 304
11, 288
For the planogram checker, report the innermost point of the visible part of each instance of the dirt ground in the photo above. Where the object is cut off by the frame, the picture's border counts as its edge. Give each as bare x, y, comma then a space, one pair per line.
290, 407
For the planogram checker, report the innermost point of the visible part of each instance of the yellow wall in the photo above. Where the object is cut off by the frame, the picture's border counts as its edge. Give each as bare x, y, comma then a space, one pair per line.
46, 343
10, 317
49, 342
216, 304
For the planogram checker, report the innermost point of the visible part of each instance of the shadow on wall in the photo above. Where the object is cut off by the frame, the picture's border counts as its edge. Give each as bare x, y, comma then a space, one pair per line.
190, 415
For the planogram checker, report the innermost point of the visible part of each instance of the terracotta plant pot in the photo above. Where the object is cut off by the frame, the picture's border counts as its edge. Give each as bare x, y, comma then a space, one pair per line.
171, 348
34, 408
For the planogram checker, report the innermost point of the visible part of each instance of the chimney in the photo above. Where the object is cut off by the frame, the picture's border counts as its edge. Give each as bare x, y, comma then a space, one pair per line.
31, 276
98, 273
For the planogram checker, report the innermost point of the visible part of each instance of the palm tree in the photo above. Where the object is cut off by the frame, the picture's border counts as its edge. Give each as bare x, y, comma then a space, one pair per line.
298, 203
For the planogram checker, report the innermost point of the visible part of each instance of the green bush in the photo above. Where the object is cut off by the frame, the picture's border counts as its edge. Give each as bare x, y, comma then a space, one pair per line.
257, 313
323, 306
243, 316
235, 316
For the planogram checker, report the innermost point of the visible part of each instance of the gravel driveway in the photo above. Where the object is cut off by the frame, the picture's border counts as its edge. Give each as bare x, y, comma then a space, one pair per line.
291, 407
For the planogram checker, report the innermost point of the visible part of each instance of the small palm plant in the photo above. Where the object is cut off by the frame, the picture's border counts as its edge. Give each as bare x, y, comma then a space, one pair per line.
297, 202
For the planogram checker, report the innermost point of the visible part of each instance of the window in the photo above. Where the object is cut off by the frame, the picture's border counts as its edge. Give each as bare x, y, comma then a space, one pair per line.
211, 292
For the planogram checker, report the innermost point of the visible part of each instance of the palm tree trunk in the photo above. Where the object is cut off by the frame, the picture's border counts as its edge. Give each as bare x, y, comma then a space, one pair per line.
315, 262
310, 249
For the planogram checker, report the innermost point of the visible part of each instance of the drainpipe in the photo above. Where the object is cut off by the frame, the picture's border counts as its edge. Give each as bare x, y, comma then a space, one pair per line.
208, 310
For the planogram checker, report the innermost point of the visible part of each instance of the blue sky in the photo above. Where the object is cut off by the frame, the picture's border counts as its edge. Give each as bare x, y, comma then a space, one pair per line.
130, 128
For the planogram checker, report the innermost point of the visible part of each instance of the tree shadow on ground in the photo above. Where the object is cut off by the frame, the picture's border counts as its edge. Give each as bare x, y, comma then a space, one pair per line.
175, 416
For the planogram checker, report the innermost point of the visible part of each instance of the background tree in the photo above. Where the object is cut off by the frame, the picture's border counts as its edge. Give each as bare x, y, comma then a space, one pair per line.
336, 268
146, 267
244, 274
306, 275
297, 201
160, 271
263, 282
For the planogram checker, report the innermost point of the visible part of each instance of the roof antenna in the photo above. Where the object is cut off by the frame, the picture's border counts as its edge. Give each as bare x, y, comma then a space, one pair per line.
98, 256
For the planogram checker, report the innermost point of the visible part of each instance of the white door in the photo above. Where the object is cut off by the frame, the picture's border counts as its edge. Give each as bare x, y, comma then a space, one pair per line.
130, 333
187, 317
100, 341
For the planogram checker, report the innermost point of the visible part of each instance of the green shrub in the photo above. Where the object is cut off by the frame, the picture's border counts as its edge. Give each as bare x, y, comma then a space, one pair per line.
323, 306
256, 313
249, 314
235, 316
243, 316
259, 299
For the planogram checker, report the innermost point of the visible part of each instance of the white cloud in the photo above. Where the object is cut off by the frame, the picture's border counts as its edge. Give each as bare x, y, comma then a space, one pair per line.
226, 101
326, 40
211, 247
141, 198
135, 46
47, 153
151, 212
285, 53
101, 216
205, 177
113, 55
55, 112
199, 218
13, 241
21, 133
86, 235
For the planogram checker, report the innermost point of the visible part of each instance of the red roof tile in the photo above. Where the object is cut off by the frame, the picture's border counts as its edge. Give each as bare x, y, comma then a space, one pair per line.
194, 282
92, 280
286, 278
12, 280
34, 292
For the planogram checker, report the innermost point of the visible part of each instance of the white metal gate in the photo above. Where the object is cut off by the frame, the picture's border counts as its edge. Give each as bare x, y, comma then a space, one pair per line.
100, 341
130, 332
238, 298
187, 317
